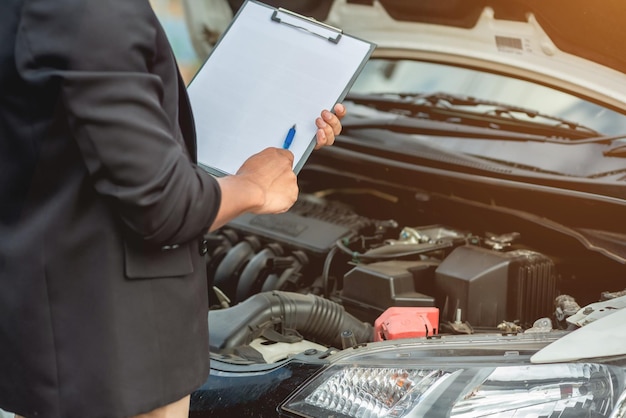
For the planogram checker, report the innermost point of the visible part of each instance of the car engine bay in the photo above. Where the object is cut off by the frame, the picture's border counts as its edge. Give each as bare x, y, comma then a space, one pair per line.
365, 256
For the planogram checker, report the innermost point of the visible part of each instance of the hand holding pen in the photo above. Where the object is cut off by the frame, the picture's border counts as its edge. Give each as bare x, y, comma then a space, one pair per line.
266, 182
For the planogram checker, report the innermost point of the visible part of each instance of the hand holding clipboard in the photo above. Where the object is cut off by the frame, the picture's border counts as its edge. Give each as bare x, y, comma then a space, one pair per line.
271, 69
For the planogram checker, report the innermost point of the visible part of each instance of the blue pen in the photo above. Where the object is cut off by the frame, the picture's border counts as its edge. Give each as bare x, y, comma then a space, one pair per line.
289, 138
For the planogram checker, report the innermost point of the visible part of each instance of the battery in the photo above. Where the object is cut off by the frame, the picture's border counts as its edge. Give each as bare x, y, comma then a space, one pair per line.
406, 322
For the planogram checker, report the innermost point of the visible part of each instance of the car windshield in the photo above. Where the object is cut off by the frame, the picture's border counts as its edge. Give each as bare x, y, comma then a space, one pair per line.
416, 77
497, 118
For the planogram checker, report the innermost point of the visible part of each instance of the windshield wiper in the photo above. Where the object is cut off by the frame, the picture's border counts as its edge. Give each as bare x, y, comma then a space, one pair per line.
500, 116
407, 125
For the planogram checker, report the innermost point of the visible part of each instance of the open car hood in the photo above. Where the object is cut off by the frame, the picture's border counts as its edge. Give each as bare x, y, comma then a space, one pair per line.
574, 46
589, 30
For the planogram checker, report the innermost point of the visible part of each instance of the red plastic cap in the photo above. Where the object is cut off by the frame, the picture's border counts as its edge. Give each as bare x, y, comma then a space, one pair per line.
406, 322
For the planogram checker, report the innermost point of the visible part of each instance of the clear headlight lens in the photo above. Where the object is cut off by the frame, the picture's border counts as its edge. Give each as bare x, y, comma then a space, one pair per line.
463, 391
373, 392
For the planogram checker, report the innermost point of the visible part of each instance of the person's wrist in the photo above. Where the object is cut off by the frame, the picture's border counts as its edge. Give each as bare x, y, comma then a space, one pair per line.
253, 193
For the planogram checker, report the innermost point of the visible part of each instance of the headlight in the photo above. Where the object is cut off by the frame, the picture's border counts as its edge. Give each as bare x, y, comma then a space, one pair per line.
405, 388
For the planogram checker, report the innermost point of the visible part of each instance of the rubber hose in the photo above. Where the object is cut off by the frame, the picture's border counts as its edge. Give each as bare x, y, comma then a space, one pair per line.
315, 318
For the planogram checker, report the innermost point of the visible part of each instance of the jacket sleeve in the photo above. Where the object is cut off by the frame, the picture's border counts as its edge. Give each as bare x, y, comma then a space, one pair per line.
115, 77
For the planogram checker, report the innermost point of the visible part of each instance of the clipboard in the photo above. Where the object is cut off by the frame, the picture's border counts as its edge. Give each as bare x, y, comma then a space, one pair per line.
271, 69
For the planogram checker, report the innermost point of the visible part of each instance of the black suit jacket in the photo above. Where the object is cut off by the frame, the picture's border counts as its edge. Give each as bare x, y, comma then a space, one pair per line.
103, 299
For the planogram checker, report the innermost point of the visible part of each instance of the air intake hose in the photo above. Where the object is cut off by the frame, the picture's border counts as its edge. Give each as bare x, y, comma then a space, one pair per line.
315, 318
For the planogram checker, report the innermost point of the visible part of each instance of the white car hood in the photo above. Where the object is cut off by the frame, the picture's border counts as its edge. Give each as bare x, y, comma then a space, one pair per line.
521, 49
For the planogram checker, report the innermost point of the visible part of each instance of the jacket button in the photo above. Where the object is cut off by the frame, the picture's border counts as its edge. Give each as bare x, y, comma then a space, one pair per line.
204, 247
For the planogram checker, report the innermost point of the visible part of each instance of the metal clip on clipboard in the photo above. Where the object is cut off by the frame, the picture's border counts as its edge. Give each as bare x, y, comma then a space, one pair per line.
277, 19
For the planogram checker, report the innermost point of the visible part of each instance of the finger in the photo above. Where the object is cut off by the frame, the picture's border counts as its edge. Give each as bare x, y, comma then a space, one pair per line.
329, 133
326, 131
340, 110
321, 133
332, 120
321, 139
284, 156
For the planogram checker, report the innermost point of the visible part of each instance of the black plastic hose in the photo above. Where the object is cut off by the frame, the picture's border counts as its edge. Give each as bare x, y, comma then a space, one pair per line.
315, 318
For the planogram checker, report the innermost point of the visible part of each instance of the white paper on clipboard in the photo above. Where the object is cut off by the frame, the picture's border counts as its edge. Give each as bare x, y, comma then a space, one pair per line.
271, 69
